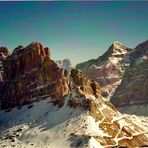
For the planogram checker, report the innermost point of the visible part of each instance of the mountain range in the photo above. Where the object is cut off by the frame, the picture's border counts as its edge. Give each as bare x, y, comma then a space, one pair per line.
44, 105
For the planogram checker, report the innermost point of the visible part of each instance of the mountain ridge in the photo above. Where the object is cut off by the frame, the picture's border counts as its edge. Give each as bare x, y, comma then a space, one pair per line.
115, 46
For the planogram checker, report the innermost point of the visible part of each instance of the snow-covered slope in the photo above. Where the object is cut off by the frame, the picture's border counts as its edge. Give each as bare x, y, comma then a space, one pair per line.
41, 125
38, 126
44, 125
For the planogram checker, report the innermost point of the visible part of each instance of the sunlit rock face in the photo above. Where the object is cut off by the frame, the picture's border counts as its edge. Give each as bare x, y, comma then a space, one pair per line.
107, 69
84, 85
30, 74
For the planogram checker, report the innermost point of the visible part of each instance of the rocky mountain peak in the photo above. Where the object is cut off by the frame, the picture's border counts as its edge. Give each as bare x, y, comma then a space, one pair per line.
116, 44
30, 74
4, 52
117, 49
33, 48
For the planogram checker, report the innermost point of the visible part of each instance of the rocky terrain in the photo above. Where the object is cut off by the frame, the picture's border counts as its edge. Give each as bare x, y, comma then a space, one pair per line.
4, 53
43, 105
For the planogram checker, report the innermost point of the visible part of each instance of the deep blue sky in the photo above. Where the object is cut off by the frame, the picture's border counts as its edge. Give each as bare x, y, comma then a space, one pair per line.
75, 30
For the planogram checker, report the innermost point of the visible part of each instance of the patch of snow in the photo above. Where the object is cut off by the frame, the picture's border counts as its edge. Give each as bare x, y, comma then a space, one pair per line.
93, 128
94, 144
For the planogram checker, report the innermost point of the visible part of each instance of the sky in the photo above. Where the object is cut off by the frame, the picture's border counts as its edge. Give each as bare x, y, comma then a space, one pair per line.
75, 30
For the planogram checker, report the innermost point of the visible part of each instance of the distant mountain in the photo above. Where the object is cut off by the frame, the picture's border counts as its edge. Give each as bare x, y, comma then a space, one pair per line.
65, 64
133, 89
107, 69
140, 51
43, 105
122, 73
114, 54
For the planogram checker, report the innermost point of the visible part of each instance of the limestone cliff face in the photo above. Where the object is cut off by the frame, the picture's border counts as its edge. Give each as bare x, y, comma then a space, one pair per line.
30, 74
23, 60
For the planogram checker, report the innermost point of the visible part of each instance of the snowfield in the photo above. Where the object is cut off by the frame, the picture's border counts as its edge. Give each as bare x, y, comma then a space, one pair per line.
46, 126
42, 125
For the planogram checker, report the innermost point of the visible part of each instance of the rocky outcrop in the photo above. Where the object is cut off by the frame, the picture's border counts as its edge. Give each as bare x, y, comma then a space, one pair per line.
4, 53
84, 84
30, 74
108, 69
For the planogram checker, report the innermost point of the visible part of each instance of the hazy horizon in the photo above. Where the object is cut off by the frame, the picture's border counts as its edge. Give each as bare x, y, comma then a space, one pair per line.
75, 30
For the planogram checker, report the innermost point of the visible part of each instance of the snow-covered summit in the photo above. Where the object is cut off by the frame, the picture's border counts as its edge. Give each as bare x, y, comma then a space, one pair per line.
118, 44
117, 49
